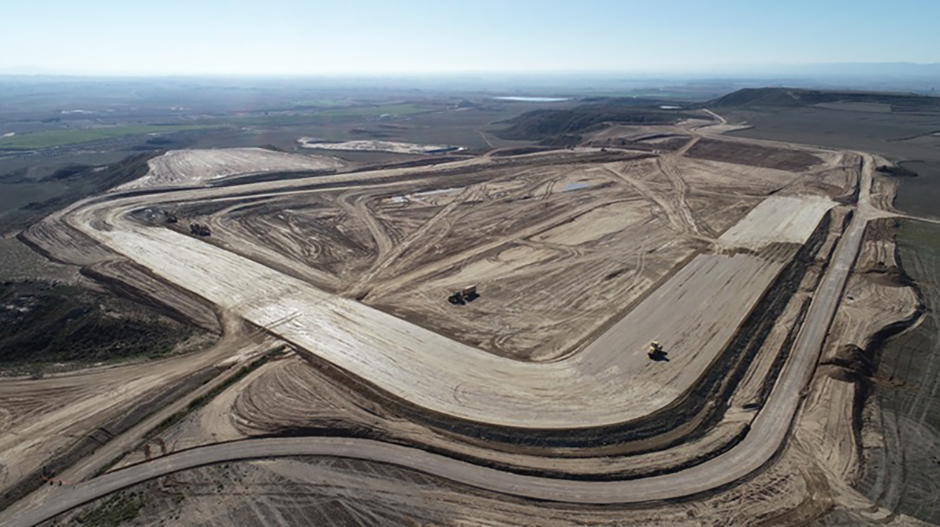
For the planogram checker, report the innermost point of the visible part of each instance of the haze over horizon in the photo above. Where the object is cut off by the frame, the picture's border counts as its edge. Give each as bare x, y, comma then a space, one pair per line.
293, 37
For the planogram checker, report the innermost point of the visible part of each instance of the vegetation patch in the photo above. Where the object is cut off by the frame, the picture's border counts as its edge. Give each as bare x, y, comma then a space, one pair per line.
70, 137
392, 110
71, 183
48, 322
120, 508
346, 113
922, 237
896, 171
563, 127
795, 98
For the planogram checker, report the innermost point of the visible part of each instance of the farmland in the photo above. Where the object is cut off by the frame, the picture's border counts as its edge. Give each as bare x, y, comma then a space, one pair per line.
72, 137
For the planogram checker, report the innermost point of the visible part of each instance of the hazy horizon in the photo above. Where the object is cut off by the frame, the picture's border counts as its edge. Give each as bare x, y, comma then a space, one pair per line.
419, 37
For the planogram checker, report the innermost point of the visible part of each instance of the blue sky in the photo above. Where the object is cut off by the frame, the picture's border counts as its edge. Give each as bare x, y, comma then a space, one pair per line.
363, 36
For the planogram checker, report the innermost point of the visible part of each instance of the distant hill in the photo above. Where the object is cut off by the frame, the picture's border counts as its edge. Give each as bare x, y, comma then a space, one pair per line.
563, 127
794, 98
858, 70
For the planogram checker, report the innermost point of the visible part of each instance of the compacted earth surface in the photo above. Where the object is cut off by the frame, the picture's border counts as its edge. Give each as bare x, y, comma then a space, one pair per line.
469, 340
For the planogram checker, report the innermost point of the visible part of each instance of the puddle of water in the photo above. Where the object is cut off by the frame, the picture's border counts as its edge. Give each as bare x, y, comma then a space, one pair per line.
575, 186
532, 99
402, 199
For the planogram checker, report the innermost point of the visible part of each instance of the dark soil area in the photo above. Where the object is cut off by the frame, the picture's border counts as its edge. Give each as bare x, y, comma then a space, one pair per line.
919, 196
563, 127
896, 171
753, 155
902, 474
905, 138
44, 322
65, 186
794, 98
522, 150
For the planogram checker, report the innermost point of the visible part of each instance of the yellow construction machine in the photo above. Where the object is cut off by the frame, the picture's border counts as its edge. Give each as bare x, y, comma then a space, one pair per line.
656, 351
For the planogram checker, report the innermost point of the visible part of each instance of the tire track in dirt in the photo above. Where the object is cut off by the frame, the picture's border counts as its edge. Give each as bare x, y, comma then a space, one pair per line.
392, 257
524, 484
680, 220
383, 241
680, 191
455, 260
445, 219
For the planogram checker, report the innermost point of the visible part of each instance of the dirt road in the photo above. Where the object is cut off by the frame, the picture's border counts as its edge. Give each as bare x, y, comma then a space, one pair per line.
611, 381
434, 372
195, 167
767, 434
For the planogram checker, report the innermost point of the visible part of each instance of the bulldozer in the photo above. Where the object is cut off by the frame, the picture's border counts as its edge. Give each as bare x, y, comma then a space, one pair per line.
656, 351
462, 296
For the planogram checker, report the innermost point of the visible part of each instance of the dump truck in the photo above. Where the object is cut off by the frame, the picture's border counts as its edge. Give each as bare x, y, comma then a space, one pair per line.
462, 296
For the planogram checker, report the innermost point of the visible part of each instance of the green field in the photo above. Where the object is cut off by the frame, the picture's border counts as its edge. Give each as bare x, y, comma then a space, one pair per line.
395, 110
320, 103
346, 113
71, 137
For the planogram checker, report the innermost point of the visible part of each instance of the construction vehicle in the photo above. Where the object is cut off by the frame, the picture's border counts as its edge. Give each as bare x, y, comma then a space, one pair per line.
656, 351
462, 296
199, 229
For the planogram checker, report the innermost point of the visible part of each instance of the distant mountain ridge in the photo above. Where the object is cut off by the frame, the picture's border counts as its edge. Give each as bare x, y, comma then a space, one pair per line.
859, 69
794, 98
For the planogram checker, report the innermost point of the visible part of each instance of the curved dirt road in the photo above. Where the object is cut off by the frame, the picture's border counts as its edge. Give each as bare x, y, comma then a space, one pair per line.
695, 313
766, 436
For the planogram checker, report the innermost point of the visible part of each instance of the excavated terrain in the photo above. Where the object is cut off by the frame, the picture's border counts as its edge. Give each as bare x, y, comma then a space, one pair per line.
555, 251
580, 259
194, 167
416, 365
341, 492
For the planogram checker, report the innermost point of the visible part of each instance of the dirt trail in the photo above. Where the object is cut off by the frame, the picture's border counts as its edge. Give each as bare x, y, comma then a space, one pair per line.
680, 192
685, 148
71, 406
358, 208
419, 273
675, 218
863, 446
423, 367
486, 139
419, 236
239, 352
